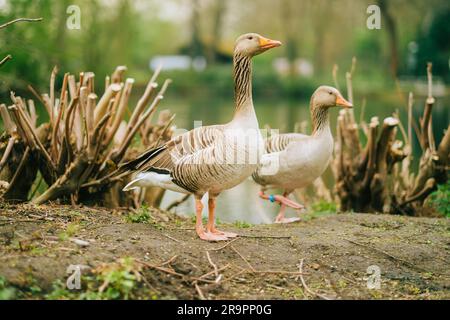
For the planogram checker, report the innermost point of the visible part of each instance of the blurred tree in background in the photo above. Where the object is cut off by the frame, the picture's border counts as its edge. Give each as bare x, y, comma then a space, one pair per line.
434, 43
131, 32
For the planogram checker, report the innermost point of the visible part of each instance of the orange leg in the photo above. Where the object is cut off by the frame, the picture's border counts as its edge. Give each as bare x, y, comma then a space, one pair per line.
208, 236
210, 227
284, 201
281, 200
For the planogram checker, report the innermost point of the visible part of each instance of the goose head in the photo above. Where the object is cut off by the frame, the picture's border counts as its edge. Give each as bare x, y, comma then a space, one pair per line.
327, 97
252, 44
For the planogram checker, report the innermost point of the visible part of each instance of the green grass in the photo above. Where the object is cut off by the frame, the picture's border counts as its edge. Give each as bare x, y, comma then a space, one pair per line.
242, 224
324, 207
440, 199
142, 215
6, 291
320, 209
120, 280
10, 292
71, 229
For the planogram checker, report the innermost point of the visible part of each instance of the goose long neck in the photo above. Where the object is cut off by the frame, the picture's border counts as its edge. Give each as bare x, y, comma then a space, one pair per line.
320, 119
242, 82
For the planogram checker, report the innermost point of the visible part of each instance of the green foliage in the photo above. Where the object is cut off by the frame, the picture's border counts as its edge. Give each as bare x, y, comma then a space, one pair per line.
142, 215
6, 292
71, 229
59, 292
29, 289
440, 199
121, 278
110, 281
324, 207
433, 44
319, 209
242, 224
368, 46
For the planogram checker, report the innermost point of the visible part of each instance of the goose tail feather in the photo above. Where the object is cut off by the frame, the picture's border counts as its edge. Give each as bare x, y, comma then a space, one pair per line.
134, 184
143, 158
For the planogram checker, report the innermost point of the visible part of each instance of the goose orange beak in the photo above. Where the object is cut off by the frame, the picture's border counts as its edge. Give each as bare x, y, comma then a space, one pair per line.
266, 43
341, 102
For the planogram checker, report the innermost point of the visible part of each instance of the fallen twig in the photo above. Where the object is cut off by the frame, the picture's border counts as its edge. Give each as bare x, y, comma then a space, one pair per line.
300, 269
162, 269
199, 291
243, 258
212, 264
169, 261
172, 238
224, 246
212, 272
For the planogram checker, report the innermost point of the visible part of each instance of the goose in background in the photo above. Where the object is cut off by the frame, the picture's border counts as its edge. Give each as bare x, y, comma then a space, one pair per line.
211, 158
295, 160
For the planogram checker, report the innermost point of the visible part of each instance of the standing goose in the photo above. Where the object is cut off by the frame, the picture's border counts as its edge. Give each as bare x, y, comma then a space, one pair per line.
212, 158
295, 160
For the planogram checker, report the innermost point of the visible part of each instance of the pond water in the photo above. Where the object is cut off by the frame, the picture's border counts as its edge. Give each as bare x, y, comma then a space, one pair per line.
242, 202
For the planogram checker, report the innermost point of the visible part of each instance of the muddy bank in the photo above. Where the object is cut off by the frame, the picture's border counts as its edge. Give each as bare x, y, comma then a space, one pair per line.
155, 255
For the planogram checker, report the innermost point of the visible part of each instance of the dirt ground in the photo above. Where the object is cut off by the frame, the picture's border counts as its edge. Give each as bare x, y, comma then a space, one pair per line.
334, 252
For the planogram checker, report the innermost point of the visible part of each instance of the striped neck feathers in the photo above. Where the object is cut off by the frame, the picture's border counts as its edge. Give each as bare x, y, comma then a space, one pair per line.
320, 118
242, 80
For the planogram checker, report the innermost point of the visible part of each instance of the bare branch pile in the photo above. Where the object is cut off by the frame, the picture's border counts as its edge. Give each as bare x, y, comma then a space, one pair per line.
378, 176
86, 137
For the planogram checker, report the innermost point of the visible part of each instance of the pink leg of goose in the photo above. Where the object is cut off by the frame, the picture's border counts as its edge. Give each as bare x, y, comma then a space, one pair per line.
284, 202
208, 236
210, 226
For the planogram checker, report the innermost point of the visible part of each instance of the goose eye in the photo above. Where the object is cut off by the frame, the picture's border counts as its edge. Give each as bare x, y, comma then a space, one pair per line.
330, 92
250, 38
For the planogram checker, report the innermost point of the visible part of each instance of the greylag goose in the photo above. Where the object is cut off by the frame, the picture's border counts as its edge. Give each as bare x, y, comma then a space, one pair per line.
211, 158
295, 160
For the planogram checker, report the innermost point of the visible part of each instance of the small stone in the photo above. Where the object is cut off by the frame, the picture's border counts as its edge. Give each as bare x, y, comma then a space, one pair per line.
81, 243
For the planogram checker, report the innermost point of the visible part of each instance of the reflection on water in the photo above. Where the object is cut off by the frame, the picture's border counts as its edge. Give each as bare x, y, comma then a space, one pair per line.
242, 202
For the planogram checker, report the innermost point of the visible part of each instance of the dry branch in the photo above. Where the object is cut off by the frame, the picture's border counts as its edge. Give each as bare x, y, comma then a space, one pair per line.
19, 20
307, 289
9, 57
5, 59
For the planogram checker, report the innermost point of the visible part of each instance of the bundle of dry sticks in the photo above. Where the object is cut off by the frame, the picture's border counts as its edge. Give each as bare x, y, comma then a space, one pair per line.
378, 176
78, 150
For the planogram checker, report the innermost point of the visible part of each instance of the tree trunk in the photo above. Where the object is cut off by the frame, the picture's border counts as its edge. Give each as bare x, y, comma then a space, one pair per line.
392, 34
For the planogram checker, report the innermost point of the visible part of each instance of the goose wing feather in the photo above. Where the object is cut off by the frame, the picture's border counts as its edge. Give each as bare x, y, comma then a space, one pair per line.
180, 156
275, 146
280, 142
